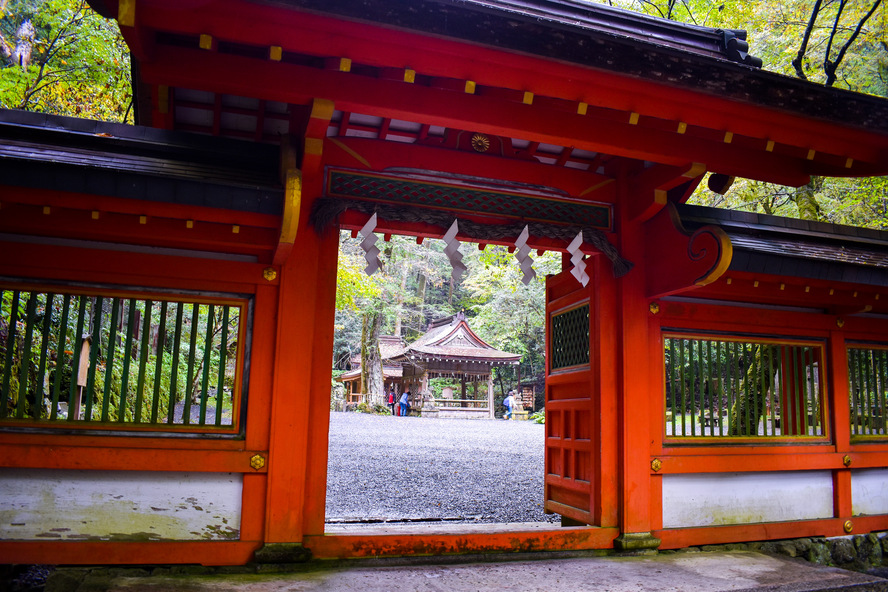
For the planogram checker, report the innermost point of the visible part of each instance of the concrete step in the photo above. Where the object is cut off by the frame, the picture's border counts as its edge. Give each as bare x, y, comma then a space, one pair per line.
738, 571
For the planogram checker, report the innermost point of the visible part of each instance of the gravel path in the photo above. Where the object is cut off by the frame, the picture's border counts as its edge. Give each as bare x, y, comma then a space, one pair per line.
384, 468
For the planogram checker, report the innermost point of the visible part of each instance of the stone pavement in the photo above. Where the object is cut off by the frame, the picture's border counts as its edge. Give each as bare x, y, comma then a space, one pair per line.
677, 572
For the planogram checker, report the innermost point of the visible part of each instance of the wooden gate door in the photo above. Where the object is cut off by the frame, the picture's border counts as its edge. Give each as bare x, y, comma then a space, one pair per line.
573, 387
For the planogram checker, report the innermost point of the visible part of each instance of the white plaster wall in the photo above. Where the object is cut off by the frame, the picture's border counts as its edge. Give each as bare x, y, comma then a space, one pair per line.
713, 499
119, 505
869, 492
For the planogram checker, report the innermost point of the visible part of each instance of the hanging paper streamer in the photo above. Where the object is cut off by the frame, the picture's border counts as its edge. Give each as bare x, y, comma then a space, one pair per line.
522, 253
576, 257
452, 251
371, 253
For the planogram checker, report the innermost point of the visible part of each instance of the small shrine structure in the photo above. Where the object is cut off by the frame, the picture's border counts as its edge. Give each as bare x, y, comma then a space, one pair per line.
451, 349
391, 372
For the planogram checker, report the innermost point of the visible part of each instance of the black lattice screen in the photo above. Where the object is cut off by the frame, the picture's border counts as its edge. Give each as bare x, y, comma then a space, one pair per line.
570, 338
468, 199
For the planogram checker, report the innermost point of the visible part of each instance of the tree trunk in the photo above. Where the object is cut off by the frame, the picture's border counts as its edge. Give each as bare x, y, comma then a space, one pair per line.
750, 407
25, 34
399, 302
806, 199
372, 385
421, 296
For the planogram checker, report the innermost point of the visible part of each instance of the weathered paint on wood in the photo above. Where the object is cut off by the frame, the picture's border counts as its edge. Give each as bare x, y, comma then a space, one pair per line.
70, 505
716, 499
869, 492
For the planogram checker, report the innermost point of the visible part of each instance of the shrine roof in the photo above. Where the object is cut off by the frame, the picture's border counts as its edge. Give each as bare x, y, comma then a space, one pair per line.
389, 346
789, 247
387, 372
565, 82
100, 158
451, 338
714, 61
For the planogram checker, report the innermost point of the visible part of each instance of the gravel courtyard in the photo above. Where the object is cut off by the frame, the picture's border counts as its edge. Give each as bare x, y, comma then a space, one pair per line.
384, 468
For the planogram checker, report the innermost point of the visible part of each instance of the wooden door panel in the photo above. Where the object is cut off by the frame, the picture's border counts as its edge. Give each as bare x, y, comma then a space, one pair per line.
570, 454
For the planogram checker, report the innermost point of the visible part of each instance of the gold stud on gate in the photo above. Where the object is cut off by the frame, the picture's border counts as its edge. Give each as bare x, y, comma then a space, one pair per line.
269, 274
840, 323
655, 307
257, 461
848, 526
656, 465
846, 460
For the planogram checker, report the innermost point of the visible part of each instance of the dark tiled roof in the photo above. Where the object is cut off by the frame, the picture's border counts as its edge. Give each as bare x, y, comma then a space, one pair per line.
81, 155
601, 37
797, 248
451, 338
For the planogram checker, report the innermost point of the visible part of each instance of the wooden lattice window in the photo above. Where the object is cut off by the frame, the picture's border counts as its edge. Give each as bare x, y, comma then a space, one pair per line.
570, 338
120, 362
868, 390
733, 387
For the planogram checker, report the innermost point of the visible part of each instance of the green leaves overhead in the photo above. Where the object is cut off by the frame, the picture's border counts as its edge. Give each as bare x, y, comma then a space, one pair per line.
58, 56
414, 287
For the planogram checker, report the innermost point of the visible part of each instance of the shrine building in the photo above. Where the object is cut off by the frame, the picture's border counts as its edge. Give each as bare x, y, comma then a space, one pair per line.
168, 288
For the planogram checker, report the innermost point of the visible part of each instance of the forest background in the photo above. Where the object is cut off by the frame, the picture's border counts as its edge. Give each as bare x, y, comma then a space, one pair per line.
58, 56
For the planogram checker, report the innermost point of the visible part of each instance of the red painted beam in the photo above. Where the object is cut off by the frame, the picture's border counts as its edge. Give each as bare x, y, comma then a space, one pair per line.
377, 46
808, 458
352, 92
137, 230
126, 268
116, 552
677, 538
127, 459
392, 543
369, 154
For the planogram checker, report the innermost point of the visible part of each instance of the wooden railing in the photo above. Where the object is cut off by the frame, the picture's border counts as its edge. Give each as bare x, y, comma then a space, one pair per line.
110, 360
461, 403
868, 390
735, 387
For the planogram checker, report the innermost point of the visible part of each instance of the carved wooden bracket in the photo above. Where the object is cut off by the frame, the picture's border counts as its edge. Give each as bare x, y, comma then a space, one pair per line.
679, 260
291, 174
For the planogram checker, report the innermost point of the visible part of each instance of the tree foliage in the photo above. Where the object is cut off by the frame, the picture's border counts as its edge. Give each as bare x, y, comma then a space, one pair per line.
414, 287
58, 56
833, 42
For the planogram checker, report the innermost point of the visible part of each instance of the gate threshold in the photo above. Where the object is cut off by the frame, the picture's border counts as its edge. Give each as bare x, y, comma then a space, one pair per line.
438, 538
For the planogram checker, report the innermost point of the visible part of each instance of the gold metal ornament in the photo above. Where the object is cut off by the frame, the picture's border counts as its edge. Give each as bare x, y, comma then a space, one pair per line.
848, 526
269, 274
656, 465
655, 307
480, 143
840, 323
257, 461
846, 460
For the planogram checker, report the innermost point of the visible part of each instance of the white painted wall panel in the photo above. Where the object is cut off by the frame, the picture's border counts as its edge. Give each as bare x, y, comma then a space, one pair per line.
714, 499
119, 505
869, 492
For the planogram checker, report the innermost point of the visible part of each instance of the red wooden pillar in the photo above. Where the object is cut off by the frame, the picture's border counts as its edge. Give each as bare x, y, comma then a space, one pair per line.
633, 383
606, 364
321, 376
292, 463
841, 421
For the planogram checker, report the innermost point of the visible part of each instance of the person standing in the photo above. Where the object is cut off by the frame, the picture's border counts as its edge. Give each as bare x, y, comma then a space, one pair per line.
391, 400
404, 402
509, 404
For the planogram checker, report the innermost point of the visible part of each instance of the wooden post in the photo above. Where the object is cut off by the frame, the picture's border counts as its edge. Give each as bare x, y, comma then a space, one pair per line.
82, 373
490, 396
634, 385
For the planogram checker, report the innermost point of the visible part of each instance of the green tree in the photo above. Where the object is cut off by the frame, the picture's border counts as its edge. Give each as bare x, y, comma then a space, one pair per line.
61, 57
